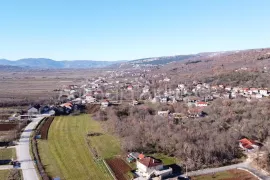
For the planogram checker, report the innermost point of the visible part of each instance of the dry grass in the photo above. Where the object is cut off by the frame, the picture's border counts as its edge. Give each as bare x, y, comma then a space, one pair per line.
32, 85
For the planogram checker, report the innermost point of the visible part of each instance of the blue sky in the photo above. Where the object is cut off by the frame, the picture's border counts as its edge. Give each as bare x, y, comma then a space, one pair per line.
129, 29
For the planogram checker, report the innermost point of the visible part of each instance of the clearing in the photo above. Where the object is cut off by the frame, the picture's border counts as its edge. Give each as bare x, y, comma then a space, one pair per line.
71, 153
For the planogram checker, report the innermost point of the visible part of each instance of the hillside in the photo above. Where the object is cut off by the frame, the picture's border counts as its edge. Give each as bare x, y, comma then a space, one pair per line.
210, 64
213, 61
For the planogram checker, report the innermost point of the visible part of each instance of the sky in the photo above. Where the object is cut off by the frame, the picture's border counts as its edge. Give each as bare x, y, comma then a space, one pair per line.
129, 29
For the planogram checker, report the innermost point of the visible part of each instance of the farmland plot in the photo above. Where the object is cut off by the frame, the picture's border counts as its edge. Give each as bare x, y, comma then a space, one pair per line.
66, 153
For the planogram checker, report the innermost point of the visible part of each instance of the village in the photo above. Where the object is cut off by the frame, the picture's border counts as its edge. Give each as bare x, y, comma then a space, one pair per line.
136, 89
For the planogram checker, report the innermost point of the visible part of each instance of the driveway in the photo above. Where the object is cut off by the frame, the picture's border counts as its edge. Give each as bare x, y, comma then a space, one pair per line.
23, 151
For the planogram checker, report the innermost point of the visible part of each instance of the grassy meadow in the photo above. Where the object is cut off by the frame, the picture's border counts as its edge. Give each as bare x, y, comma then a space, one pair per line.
68, 152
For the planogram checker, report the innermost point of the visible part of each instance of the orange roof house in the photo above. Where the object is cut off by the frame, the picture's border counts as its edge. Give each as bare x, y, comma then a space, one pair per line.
247, 144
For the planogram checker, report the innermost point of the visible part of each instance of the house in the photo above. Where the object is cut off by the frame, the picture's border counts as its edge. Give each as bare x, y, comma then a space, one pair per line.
148, 164
248, 145
207, 86
148, 167
201, 104
90, 99
163, 113
263, 92
196, 112
228, 88
214, 87
32, 111
145, 89
105, 103
227, 95
166, 80
254, 90
129, 88
135, 102
181, 86
163, 100
221, 86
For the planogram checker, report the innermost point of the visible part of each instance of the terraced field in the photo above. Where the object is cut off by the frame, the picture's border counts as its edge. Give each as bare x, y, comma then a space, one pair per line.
66, 153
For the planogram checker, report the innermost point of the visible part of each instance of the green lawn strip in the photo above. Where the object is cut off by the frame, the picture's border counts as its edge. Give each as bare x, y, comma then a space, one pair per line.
167, 160
79, 139
216, 176
49, 153
8, 154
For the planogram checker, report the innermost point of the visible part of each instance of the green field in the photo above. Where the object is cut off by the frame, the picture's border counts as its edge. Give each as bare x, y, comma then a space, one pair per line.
217, 176
67, 152
7, 154
226, 175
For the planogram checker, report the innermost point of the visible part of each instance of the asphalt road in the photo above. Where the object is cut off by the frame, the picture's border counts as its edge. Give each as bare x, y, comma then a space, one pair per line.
23, 151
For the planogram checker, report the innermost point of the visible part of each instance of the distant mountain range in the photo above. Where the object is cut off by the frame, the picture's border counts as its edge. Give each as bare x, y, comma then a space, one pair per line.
44, 63
49, 63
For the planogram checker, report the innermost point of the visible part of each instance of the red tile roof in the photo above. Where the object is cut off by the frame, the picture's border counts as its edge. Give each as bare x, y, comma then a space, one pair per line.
141, 156
150, 162
246, 143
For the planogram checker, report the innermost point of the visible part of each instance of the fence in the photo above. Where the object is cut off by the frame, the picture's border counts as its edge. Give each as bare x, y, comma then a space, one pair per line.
37, 160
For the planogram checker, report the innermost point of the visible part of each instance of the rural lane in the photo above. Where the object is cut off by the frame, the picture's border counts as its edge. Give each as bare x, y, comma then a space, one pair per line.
23, 151
6, 167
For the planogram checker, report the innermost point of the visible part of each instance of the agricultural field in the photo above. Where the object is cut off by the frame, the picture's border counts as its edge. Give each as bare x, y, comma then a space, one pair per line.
10, 131
227, 175
45, 128
10, 174
4, 174
29, 85
73, 151
119, 168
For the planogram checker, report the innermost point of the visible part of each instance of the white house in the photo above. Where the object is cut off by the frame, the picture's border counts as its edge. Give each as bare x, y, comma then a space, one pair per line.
145, 90
201, 104
163, 113
181, 86
228, 88
166, 80
263, 92
149, 167
163, 100
105, 103
90, 99
32, 111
